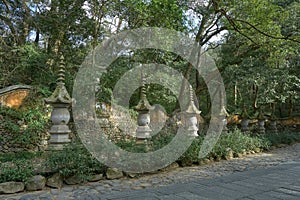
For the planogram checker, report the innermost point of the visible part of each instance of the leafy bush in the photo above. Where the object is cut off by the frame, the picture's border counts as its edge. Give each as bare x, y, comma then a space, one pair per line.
238, 141
11, 127
18, 170
235, 140
74, 160
22, 155
28, 124
192, 154
282, 138
10, 112
17, 166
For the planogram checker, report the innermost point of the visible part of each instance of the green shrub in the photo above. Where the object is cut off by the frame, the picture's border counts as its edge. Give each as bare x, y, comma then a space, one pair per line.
237, 141
22, 155
10, 113
191, 156
163, 138
74, 160
156, 142
282, 138
12, 127
33, 125
18, 170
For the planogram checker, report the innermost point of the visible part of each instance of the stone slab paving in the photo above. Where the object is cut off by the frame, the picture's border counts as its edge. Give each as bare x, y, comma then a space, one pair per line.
270, 175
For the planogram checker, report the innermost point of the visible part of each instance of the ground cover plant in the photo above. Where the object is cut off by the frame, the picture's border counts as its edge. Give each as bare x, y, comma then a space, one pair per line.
76, 160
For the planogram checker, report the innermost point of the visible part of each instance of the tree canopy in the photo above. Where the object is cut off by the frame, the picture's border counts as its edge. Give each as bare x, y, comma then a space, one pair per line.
255, 44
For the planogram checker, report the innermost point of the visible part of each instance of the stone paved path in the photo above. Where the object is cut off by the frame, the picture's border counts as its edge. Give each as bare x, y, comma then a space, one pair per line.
271, 175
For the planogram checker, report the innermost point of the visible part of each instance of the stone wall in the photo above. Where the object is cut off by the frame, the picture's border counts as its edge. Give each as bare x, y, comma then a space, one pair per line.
13, 96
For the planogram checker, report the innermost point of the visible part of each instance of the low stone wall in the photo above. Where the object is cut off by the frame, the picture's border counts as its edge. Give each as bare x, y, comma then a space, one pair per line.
13, 96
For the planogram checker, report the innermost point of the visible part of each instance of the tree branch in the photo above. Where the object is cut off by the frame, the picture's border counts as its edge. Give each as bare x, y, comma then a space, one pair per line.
266, 34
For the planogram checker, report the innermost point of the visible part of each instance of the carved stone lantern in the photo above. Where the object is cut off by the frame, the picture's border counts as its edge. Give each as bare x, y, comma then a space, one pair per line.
245, 120
191, 116
143, 108
273, 123
261, 121
60, 100
224, 115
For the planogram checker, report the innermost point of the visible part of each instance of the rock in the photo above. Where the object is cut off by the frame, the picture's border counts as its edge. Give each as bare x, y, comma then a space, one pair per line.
281, 145
172, 166
96, 177
229, 154
56, 181
244, 152
257, 150
201, 162
272, 148
240, 155
218, 158
132, 175
73, 180
144, 185
11, 187
113, 173
137, 188
36, 183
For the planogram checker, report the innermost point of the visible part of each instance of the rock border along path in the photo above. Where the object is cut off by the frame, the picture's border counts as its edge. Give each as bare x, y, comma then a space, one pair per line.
270, 175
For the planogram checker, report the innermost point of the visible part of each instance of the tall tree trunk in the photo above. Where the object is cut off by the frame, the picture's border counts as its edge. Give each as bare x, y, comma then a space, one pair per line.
235, 93
280, 109
291, 106
255, 88
37, 38
25, 30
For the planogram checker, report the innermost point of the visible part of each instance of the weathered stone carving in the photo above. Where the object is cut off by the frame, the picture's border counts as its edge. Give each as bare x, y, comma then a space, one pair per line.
60, 116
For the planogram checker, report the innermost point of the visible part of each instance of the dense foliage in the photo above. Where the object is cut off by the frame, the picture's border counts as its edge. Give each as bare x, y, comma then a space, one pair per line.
255, 44
76, 160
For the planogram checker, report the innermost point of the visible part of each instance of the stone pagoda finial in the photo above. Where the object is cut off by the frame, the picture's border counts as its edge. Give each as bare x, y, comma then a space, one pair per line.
192, 109
191, 120
61, 71
60, 95
143, 104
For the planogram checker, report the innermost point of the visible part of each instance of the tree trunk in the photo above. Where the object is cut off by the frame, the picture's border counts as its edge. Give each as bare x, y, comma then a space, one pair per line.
291, 106
37, 38
255, 88
235, 93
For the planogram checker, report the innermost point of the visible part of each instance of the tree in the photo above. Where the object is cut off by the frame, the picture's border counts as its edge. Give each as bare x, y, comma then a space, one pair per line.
262, 71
